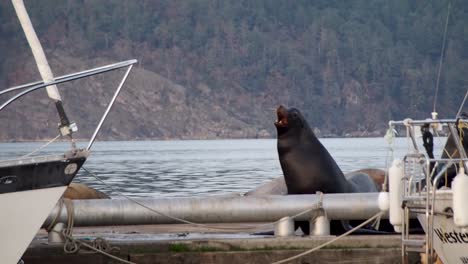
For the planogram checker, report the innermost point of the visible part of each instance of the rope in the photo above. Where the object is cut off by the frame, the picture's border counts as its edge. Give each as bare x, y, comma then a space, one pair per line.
81, 243
450, 156
441, 57
54, 221
102, 244
41, 147
331, 241
462, 104
70, 246
316, 206
376, 223
460, 127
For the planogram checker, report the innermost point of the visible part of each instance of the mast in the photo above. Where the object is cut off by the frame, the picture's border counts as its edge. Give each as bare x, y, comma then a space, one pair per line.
43, 66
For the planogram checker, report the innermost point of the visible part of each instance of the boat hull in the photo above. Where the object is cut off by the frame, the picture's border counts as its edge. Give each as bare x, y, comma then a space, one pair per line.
40, 172
29, 189
449, 241
22, 214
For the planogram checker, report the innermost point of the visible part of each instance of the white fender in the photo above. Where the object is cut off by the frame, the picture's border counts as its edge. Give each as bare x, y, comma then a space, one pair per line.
395, 186
460, 199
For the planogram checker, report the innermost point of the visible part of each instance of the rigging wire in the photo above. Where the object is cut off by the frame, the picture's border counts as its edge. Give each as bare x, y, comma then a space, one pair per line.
462, 104
441, 57
41, 147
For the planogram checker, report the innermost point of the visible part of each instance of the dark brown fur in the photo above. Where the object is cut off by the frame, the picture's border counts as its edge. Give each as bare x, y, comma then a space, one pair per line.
78, 191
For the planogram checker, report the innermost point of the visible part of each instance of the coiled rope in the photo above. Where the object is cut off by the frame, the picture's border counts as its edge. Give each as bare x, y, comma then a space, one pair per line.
72, 245
95, 247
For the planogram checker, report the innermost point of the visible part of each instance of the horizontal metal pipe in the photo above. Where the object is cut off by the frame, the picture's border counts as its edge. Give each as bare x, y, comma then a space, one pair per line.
216, 209
428, 121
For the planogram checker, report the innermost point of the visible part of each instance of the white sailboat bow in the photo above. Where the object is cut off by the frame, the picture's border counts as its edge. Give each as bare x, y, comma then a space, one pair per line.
30, 187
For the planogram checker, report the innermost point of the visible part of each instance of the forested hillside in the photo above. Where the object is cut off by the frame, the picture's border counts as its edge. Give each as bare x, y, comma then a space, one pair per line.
218, 69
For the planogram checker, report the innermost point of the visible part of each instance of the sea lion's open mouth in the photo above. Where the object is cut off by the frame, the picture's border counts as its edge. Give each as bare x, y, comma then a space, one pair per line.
282, 114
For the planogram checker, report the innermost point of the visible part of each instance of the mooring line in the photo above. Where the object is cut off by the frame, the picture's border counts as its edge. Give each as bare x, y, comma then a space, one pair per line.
462, 104
71, 244
315, 206
81, 243
379, 214
41, 147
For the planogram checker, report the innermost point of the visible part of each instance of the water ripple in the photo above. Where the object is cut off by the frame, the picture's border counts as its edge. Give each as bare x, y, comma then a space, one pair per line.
199, 167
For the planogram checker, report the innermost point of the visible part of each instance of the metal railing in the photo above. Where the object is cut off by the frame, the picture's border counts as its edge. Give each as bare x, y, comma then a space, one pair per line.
421, 180
30, 87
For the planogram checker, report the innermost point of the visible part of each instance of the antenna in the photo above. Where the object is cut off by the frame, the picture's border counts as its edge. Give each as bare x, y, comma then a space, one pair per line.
441, 60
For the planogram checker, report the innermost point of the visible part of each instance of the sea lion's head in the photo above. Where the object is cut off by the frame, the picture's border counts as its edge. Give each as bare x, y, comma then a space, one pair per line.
289, 120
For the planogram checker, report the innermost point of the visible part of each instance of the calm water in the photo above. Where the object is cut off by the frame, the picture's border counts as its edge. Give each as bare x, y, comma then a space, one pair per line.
200, 167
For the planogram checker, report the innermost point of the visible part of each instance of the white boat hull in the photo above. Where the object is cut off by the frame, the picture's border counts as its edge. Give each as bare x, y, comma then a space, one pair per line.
449, 241
22, 214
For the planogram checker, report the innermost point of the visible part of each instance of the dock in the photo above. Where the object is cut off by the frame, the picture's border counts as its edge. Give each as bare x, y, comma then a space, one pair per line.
183, 244
218, 230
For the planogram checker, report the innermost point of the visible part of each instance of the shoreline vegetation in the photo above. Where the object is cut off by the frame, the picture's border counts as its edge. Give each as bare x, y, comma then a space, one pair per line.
219, 69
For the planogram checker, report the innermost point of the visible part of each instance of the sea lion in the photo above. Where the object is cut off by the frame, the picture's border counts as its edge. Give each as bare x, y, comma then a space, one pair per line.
377, 176
308, 167
277, 186
78, 191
